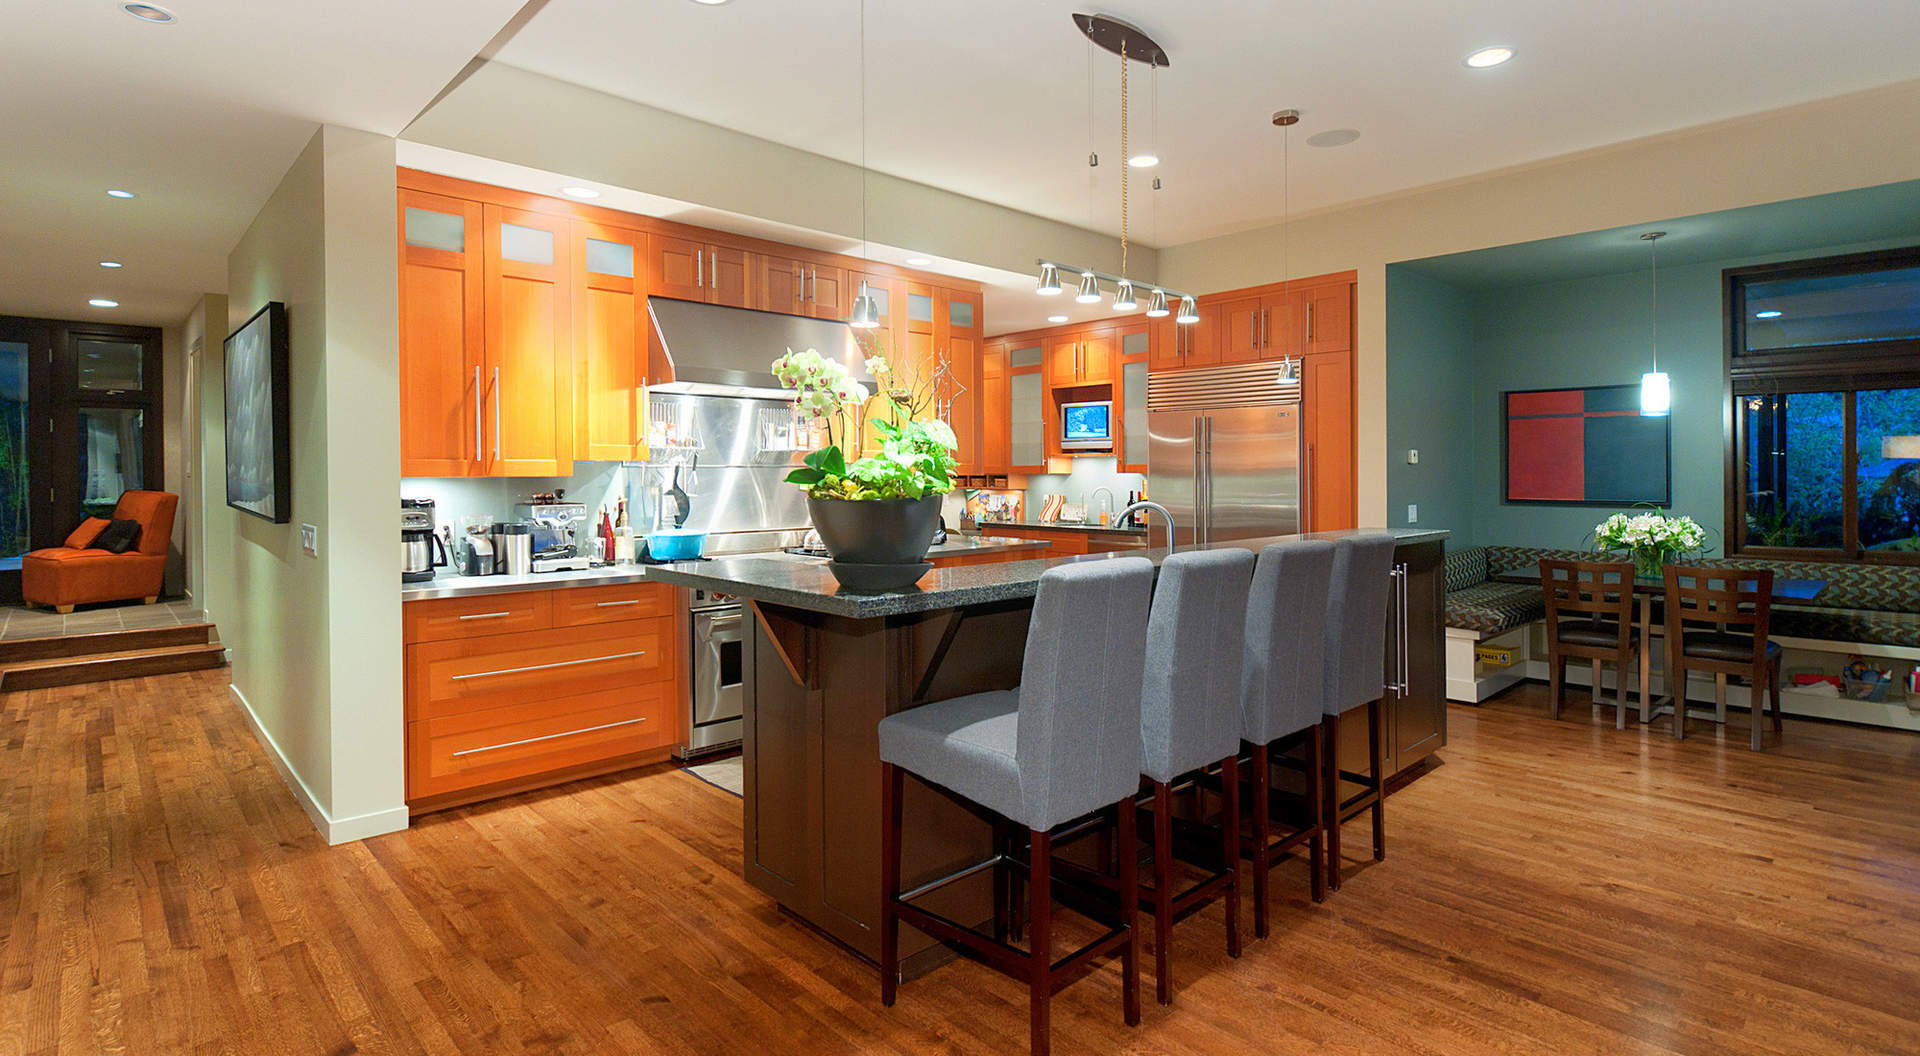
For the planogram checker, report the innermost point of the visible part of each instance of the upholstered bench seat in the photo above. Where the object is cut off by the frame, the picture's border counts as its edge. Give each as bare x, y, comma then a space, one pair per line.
1494, 607
1865, 626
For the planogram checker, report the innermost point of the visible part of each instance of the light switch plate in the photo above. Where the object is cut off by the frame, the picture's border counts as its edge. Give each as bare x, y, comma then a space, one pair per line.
1413, 456
1413, 513
310, 539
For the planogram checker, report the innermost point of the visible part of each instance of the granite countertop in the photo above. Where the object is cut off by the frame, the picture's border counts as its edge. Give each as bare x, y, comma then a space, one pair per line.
1064, 526
466, 586
810, 585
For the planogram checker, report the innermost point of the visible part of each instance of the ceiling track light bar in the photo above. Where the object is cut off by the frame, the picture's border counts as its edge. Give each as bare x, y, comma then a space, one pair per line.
1122, 39
1146, 287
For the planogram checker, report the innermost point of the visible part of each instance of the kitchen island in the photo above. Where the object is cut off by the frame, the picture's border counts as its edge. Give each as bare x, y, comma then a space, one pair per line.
821, 667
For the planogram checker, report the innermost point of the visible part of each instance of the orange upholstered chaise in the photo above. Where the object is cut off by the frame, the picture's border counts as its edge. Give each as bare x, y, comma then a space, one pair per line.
65, 576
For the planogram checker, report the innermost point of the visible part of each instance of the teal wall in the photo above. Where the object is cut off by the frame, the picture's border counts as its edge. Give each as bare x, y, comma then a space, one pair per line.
1581, 332
1430, 402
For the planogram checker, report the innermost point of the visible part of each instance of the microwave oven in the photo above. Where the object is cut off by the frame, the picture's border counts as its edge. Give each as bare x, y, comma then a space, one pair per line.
1086, 426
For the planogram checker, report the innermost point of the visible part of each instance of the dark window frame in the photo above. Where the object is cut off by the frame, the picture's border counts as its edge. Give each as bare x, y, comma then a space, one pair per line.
1843, 368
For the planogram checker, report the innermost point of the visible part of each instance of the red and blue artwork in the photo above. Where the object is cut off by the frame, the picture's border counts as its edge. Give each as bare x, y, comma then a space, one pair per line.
1587, 447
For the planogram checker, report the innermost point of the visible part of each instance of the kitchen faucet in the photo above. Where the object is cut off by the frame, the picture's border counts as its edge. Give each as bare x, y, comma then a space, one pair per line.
1143, 504
1097, 491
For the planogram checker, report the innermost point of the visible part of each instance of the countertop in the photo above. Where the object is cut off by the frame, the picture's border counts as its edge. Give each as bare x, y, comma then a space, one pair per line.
810, 584
1062, 526
465, 586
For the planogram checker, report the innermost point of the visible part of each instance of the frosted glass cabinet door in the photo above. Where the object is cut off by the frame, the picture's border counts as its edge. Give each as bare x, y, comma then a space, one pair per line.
1028, 419
1133, 420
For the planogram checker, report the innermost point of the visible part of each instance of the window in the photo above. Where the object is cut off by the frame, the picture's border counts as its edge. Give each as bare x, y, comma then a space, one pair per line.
1824, 366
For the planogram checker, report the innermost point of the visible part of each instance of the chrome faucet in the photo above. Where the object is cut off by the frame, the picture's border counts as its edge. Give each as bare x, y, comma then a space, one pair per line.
1164, 516
1097, 491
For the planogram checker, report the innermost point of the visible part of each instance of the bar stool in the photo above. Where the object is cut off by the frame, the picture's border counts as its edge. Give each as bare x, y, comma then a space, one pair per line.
1590, 616
1735, 605
1281, 683
1063, 745
1356, 659
1190, 722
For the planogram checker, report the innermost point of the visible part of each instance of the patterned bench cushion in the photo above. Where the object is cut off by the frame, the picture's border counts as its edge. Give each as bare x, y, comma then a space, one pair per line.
1876, 588
1494, 607
1510, 558
1466, 568
1868, 626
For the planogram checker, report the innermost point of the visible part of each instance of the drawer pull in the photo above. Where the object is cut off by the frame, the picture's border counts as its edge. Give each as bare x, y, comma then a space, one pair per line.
547, 737
609, 604
546, 667
486, 615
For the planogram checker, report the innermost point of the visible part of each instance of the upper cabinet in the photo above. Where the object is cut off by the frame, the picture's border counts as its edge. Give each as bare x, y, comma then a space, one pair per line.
800, 287
528, 406
611, 335
1130, 399
699, 271
1326, 317
995, 411
1080, 357
442, 336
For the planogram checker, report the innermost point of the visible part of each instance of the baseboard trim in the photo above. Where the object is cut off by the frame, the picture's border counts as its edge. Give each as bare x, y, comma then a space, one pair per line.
1792, 702
335, 831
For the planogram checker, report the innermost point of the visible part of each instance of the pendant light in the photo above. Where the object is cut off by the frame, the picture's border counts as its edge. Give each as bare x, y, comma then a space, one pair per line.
866, 314
1189, 312
1049, 281
1157, 305
1123, 297
1089, 289
1656, 389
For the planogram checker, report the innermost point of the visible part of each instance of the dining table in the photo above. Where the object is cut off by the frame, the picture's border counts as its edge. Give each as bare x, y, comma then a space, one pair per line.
1645, 590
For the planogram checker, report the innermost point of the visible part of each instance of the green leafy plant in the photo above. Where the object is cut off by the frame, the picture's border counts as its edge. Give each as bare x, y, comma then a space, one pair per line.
916, 451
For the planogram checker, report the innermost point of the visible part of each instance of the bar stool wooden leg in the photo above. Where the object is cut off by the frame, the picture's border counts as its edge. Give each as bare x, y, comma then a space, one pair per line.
1162, 888
1230, 846
1377, 770
1129, 881
891, 778
1040, 936
1330, 794
1316, 812
1262, 832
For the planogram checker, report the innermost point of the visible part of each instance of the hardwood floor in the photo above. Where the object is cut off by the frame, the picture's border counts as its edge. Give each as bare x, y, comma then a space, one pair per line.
1549, 888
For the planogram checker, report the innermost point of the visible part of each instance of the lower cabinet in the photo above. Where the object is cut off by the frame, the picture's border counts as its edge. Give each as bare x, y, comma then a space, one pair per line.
512, 691
1068, 542
1415, 715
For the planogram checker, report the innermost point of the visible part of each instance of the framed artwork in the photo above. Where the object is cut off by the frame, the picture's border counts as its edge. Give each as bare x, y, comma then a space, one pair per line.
1584, 447
259, 417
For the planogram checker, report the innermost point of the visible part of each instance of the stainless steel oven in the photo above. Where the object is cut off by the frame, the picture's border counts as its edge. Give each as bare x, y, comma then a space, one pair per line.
714, 695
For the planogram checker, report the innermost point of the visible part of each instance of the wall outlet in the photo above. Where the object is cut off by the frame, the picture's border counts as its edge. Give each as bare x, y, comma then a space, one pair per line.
310, 539
1413, 513
1413, 456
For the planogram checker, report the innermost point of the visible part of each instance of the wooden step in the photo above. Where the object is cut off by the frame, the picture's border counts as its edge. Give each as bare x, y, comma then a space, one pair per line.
104, 667
61, 646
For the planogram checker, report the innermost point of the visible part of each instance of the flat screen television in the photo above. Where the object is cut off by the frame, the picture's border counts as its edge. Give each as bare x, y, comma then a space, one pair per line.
1086, 426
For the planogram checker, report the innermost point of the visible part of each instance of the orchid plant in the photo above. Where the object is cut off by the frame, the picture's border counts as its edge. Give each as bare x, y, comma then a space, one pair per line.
915, 457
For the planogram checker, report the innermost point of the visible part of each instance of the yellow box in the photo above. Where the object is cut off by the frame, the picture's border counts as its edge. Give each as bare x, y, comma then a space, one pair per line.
1494, 655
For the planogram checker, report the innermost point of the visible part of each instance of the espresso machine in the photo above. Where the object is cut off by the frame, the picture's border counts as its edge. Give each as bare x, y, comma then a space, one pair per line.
559, 535
419, 542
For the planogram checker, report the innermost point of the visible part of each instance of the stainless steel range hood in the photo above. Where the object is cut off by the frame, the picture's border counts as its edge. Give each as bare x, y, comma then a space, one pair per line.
716, 350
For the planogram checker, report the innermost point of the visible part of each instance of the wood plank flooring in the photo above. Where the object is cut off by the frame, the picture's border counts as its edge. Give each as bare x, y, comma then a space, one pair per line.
1550, 888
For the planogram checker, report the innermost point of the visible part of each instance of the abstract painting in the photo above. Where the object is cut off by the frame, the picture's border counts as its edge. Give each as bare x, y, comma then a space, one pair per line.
259, 413
1584, 447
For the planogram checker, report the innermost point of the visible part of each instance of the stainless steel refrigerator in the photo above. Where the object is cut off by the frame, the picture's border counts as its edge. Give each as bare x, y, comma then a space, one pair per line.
1224, 451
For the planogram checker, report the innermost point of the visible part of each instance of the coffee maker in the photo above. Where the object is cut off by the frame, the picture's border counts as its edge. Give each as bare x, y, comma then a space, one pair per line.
560, 542
419, 542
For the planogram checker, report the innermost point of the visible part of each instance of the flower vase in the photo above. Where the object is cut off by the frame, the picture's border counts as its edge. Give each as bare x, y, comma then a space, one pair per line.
1650, 564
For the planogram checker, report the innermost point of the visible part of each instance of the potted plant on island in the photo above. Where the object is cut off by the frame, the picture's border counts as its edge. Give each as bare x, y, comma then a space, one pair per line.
876, 513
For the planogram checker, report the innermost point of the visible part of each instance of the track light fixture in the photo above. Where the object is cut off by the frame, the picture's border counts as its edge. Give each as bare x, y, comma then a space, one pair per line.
1157, 304
1189, 312
866, 314
1089, 288
1123, 297
1049, 281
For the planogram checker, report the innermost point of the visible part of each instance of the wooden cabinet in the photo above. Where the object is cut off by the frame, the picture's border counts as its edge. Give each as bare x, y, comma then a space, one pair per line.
442, 335
800, 287
527, 412
699, 271
956, 339
996, 421
510, 691
1257, 328
1415, 717
1083, 357
1066, 540
1130, 398
1325, 313
1028, 410
1179, 345
1326, 396
611, 336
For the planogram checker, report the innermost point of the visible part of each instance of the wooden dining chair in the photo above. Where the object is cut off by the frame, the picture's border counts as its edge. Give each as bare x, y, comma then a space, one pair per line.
1717, 621
1590, 616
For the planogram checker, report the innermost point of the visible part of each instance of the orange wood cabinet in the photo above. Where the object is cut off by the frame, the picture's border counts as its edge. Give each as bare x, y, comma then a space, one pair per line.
442, 335
994, 558
1132, 356
1178, 345
800, 287
1328, 462
691, 270
996, 426
528, 408
508, 691
1066, 541
956, 338
611, 336
1082, 356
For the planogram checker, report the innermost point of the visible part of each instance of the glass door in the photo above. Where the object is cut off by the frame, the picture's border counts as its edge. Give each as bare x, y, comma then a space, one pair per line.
25, 357
106, 421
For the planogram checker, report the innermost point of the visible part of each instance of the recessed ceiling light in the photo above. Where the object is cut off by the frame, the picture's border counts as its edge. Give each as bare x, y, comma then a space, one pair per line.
1334, 137
1144, 161
710, 3
110, 264
153, 13
918, 262
1770, 313
118, 193
102, 302
579, 192
1056, 318
1489, 57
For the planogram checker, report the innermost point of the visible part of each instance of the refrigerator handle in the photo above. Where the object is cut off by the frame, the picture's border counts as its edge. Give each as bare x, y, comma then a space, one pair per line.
1306, 491
1206, 535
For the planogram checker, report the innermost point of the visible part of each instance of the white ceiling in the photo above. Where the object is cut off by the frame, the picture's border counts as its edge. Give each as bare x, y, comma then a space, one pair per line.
201, 118
989, 98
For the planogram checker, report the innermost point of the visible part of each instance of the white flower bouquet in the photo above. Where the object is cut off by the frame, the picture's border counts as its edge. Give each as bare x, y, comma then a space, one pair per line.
1652, 539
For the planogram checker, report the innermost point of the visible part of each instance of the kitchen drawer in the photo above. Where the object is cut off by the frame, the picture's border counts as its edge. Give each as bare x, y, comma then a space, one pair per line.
576, 606
472, 674
441, 619
456, 752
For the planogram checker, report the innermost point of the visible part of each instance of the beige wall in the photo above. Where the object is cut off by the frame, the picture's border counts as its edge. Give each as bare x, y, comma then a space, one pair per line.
316, 640
1856, 141
525, 118
174, 430
196, 337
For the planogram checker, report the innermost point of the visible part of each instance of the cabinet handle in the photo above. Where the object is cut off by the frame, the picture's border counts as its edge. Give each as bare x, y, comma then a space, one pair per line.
546, 667
813, 285
479, 442
548, 737
1253, 325
1309, 321
611, 604
699, 277
486, 615
496, 414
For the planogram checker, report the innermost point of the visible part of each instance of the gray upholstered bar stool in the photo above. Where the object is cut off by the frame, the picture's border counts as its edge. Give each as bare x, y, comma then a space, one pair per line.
1190, 722
1281, 685
1063, 745
1356, 661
